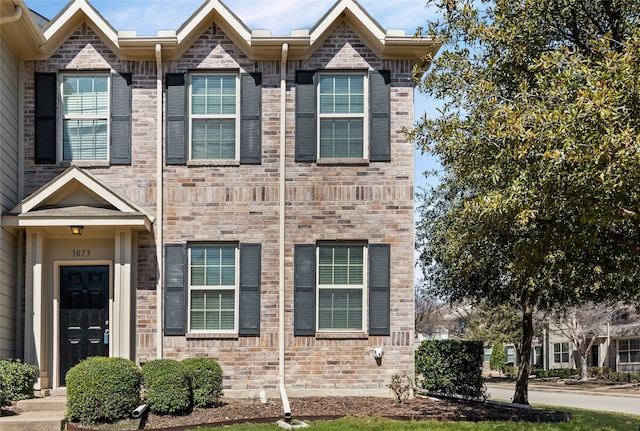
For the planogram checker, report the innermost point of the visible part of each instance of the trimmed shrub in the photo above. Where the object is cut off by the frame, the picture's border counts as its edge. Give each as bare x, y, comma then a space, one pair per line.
206, 380
498, 359
16, 380
167, 386
102, 389
451, 367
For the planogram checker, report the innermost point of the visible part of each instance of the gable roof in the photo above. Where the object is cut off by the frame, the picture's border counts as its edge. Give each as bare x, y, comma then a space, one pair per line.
256, 44
76, 198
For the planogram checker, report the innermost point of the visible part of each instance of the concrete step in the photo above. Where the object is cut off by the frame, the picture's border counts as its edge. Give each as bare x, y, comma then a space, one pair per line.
34, 421
46, 404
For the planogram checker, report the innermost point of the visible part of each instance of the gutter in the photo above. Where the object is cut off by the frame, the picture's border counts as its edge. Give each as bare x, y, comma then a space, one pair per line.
281, 251
159, 204
13, 17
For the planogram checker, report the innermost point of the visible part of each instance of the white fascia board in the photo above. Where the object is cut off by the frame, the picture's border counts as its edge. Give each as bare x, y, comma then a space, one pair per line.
135, 221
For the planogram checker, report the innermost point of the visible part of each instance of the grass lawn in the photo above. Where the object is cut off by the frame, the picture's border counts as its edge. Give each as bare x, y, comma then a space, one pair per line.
583, 420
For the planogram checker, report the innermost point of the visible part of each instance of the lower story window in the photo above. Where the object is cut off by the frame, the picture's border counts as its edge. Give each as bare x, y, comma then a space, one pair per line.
561, 353
629, 351
213, 286
341, 281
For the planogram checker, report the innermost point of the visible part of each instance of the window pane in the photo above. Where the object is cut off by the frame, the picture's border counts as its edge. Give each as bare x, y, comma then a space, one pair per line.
213, 139
212, 310
341, 265
340, 138
340, 309
213, 95
341, 94
84, 139
213, 266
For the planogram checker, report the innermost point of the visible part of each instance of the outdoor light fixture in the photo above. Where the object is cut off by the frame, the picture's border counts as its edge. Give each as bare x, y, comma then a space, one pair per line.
77, 230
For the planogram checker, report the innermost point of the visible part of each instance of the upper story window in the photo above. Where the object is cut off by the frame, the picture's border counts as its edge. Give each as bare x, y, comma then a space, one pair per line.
342, 121
85, 117
343, 116
214, 117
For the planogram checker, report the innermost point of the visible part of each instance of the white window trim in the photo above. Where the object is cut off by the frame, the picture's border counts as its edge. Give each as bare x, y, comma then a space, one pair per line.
236, 116
364, 115
62, 117
626, 351
561, 352
235, 287
363, 287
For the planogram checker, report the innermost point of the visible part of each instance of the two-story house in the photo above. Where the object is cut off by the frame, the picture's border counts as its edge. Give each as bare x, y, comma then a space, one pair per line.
216, 191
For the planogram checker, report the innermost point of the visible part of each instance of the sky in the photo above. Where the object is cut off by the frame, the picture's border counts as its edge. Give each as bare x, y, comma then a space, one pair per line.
146, 17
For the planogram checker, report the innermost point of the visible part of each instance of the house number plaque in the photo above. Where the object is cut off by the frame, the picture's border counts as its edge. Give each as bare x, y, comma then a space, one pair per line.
81, 252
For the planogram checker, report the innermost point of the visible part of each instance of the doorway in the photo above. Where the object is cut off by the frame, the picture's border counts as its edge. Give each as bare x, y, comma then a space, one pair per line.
84, 315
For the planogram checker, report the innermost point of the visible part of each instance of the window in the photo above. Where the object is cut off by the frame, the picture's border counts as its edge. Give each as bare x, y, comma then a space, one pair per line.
510, 355
213, 118
214, 125
561, 353
341, 293
629, 351
486, 357
212, 288
85, 110
94, 122
343, 116
342, 287
342, 124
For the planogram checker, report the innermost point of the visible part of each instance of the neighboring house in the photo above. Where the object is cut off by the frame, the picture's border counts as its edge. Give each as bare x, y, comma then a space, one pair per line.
215, 191
617, 346
20, 37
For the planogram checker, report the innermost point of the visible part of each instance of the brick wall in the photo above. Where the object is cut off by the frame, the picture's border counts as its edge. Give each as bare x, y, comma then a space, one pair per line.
372, 203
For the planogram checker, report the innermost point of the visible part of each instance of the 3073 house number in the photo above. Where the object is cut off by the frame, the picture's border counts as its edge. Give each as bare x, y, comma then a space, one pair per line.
81, 253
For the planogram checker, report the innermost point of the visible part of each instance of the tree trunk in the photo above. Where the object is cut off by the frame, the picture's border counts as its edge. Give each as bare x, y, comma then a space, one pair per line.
583, 364
521, 395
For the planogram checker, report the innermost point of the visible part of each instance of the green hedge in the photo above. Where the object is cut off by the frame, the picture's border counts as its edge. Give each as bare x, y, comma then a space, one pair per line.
16, 381
451, 367
206, 380
102, 389
167, 386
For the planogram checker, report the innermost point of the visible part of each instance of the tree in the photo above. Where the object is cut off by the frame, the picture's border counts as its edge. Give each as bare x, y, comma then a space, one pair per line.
582, 325
538, 137
498, 358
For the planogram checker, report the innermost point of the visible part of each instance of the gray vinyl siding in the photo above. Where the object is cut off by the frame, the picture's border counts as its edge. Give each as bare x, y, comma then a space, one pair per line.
8, 196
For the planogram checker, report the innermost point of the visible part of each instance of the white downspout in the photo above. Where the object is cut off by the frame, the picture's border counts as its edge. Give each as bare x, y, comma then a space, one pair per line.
281, 251
159, 201
13, 17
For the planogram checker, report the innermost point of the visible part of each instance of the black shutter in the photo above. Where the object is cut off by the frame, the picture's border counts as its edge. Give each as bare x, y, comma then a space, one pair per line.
380, 116
304, 311
250, 270
379, 289
175, 308
305, 116
121, 119
250, 121
45, 121
176, 119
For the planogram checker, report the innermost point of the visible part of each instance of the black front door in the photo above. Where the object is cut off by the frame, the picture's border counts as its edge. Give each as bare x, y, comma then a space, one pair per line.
84, 315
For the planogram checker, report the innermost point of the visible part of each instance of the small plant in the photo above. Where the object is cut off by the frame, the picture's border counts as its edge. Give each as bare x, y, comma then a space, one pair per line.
167, 386
206, 380
102, 389
400, 386
16, 380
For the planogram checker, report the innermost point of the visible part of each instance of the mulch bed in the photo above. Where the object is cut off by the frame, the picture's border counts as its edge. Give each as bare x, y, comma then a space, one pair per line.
327, 408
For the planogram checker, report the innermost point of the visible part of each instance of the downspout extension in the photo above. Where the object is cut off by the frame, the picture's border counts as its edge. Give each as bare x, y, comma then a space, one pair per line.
159, 204
281, 251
